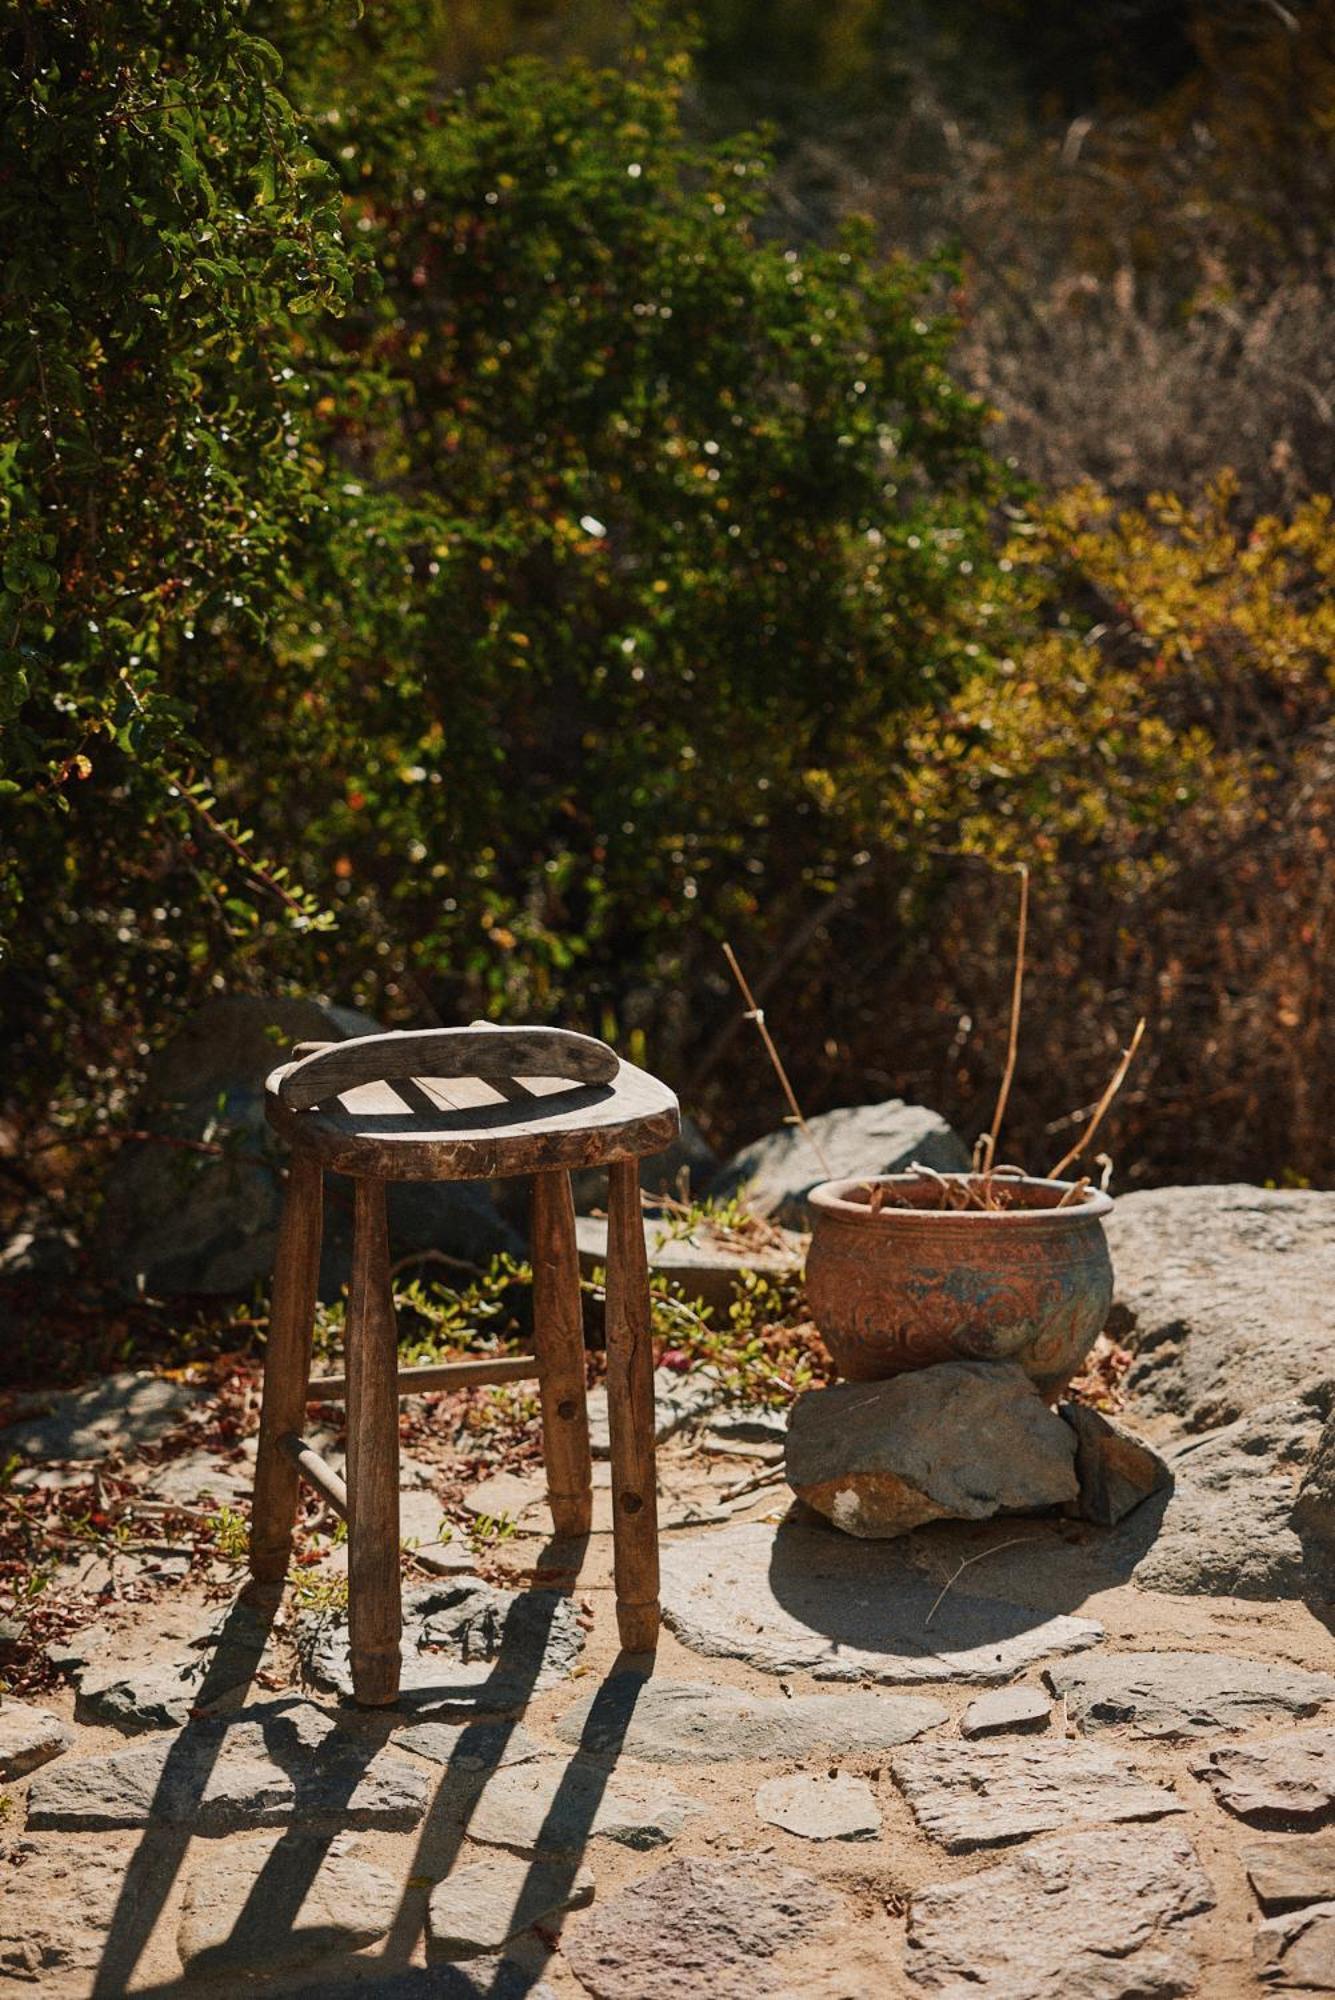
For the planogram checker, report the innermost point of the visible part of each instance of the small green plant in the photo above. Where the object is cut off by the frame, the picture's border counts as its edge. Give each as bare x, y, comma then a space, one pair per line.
487, 1531
320, 1593
231, 1534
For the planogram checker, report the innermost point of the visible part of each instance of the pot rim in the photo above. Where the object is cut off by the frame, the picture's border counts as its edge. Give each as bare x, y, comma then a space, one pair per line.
831, 1198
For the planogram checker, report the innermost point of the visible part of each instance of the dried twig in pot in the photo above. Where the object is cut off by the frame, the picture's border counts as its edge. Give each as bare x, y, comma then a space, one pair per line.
1118, 1078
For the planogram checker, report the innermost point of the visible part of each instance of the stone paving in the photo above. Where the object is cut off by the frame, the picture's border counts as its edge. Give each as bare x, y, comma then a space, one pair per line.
984, 1761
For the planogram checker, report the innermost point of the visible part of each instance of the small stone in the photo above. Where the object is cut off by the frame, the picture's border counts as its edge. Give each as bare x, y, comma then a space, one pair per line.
964, 1439
705, 1924
284, 1763
1184, 1694
117, 1413
1085, 1916
278, 1905
1006, 1712
29, 1737
554, 1807
1285, 1781
479, 1908
794, 1598
1296, 1953
691, 1722
1290, 1870
445, 1558
1000, 1792
820, 1808
1116, 1470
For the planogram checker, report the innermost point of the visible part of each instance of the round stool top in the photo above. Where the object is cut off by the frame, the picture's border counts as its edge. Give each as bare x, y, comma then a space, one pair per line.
469, 1104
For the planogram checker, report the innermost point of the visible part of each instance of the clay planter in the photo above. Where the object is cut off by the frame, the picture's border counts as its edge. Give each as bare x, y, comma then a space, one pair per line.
902, 1288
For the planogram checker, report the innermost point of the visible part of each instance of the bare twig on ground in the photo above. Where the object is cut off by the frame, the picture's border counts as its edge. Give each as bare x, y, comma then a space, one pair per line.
1015, 1543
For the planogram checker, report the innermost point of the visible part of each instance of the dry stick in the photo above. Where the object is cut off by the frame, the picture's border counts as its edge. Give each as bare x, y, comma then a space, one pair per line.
757, 1014
1118, 1078
1017, 992
1015, 1543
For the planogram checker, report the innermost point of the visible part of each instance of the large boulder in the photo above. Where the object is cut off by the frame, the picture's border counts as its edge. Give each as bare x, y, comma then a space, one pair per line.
966, 1439
779, 1171
1224, 1296
180, 1219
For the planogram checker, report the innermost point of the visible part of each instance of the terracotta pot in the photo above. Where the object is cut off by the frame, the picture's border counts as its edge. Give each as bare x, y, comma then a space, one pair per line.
901, 1288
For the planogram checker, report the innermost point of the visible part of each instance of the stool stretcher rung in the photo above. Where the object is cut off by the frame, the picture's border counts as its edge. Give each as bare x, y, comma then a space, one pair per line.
441, 1375
315, 1472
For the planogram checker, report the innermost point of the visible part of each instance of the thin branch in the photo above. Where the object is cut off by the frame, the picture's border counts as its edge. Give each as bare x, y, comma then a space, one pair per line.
1118, 1077
1012, 1046
1016, 1542
757, 1014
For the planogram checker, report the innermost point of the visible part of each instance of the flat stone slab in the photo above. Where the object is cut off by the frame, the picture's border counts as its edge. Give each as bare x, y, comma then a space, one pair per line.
57, 1907
1291, 1870
699, 1926
1007, 1712
465, 1644
213, 1673
553, 1806
1285, 1781
273, 1906
118, 1413
1184, 1694
285, 1763
480, 1907
816, 1806
470, 1748
199, 1478
1086, 1916
1296, 1953
697, 1722
1224, 1294
678, 1400
29, 1737
997, 1792
799, 1599
710, 1270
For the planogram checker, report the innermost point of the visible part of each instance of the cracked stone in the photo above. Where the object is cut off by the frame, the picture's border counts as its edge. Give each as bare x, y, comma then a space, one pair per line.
479, 1908
1295, 1953
701, 1925
1285, 1781
1009, 1711
29, 1737
692, 1722
1086, 1916
1116, 1470
998, 1792
1289, 1870
553, 1806
470, 1747
283, 1763
278, 1905
818, 1807
1184, 1694
798, 1599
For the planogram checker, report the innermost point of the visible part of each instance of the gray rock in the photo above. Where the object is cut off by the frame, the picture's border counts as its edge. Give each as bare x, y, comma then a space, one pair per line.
818, 1806
1184, 1694
1296, 1953
1226, 1529
1283, 1781
1224, 1295
1013, 1711
1115, 1469
691, 1722
470, 1749
57, 1907
177, 1220
1086, 1916
211, 1674
708, 1270
798, 1599
749, 1423
29, 1737
778, 1172
1287, 1871
678, 1400
999, 1792
479, 1908
965, 1439
1313, 1516
465, 1643
283, 1763
275, 1906
551, 1806
699, 1925
201, 1478
119, 1413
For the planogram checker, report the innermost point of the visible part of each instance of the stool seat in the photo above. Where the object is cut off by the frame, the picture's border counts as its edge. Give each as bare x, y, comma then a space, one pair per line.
475, 1128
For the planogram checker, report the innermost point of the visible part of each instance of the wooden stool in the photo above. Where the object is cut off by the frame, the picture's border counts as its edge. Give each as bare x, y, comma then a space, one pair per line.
459, 1104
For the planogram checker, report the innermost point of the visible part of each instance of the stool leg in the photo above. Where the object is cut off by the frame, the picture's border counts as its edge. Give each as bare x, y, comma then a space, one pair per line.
374, 1609
558, 1341
287, 1368
630, 1408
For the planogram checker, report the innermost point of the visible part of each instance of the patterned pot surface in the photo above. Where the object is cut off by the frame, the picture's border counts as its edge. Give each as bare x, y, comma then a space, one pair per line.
902, 1288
